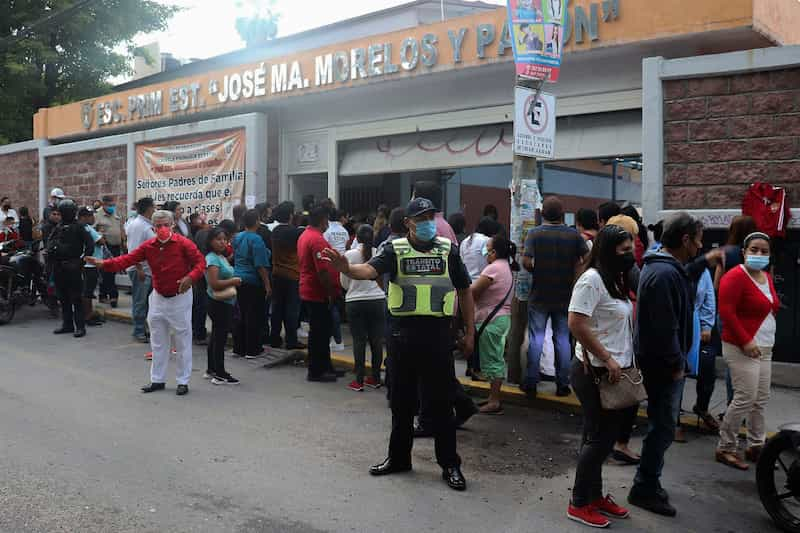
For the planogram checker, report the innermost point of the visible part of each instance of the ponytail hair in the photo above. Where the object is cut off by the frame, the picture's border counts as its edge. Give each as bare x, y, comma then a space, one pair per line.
366, 237
506, 249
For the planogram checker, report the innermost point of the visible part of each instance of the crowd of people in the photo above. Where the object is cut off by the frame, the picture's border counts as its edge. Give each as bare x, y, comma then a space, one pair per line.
620, 299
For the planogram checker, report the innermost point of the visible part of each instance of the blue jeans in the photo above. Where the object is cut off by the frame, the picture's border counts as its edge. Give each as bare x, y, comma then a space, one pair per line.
537, 325
663, 408
140, 290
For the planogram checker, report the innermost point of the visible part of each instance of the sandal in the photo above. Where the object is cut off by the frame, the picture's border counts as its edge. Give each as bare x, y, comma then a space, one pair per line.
731, 459
624, 458
486, 410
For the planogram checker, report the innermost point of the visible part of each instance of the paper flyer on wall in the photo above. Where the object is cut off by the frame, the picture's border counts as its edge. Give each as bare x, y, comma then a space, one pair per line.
536, 28
526, 201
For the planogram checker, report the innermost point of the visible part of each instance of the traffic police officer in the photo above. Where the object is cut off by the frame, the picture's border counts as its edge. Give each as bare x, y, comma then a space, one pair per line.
425, 273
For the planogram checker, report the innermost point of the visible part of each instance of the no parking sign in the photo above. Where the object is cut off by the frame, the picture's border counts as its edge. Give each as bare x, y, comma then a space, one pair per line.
534, 123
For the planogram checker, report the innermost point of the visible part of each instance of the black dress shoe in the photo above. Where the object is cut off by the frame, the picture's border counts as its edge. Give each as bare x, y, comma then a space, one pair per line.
182, 390
422, 432
322, 378
80, 333
62, 331
388, 467
563, 390
652, 502
153, 387
454, 478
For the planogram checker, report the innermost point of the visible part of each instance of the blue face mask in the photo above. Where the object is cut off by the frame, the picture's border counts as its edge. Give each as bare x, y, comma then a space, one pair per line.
111, 210
425, 230
756, 262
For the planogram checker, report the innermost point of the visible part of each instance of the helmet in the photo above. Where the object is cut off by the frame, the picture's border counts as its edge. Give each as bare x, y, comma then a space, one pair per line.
68, 209
58, 193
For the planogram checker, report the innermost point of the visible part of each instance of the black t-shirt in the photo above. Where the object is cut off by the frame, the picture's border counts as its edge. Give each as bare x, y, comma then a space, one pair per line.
26, 229
386, 263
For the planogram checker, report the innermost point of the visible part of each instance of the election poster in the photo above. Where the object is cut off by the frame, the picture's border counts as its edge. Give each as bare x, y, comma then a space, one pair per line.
205, 173
537, 37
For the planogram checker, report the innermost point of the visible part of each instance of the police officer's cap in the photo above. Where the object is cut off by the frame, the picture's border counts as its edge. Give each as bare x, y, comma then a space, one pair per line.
419, 206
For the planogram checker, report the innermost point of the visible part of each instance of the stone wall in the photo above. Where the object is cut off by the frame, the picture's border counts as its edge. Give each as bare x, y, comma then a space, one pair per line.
19, 179
87, 176
723, 133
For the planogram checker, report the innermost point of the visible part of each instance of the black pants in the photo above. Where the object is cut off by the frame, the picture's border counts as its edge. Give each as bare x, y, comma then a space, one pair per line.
320, 330
367, 324
108, 285
199, 304
600, 430
706, 376
285, 310
221, 322
69, 288
251, 319
421, 360
627, 421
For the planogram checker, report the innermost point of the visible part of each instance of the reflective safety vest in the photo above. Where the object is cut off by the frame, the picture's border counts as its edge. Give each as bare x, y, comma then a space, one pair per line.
422, 286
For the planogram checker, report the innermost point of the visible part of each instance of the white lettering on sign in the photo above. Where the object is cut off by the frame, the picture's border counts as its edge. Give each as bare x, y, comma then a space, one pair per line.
338, 67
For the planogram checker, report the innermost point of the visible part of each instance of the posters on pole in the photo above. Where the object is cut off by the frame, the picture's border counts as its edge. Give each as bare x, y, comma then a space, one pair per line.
534, 123
205, 173
536, 31
526, 201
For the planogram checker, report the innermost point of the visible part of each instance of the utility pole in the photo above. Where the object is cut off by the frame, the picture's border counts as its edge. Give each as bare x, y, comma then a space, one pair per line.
523, 168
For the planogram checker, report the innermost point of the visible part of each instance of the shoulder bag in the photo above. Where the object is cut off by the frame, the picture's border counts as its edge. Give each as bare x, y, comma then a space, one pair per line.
486, 322
625, 393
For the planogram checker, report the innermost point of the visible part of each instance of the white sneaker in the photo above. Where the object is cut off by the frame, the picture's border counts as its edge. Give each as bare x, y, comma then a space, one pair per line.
337, 347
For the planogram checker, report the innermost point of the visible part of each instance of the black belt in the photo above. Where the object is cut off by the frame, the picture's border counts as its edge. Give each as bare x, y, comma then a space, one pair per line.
167, 295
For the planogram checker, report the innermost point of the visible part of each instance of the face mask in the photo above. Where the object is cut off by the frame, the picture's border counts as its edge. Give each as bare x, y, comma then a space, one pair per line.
756, 262
425, 230
163, 233
624, 262
111, 209
132, 214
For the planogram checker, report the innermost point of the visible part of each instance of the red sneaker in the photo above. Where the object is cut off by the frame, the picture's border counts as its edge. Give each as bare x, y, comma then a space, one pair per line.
149, 356
372, 382
609, 507
587, 515
355, 386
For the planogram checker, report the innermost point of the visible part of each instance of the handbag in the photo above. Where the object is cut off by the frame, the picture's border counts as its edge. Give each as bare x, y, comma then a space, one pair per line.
227, 293
625, 393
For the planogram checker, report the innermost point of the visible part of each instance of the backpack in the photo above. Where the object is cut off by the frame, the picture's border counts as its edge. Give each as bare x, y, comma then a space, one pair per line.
64, 243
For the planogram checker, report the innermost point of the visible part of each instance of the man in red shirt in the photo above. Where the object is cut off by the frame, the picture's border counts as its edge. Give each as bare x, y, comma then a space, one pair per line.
176, 264
319, 286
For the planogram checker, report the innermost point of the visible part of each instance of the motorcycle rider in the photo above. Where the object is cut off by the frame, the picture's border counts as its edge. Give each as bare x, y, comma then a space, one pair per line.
67, 244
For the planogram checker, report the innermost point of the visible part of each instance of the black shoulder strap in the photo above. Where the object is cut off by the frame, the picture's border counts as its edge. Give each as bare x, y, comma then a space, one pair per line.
495, 310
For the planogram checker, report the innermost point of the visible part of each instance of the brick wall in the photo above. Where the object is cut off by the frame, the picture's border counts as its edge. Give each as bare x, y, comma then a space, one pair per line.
86, 176
723, 133
19, 179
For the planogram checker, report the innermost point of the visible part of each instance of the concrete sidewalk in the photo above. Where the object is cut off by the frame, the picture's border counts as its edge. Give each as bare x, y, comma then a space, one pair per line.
782, 408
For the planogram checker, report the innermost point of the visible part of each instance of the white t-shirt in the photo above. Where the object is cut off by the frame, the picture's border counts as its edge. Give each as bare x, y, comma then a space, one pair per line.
765, 336
11, 213
337, 236
610, 318
138, 231
470, 251
359, 290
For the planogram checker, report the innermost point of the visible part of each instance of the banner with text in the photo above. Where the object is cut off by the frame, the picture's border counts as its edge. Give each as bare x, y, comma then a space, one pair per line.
537, 37
205, 173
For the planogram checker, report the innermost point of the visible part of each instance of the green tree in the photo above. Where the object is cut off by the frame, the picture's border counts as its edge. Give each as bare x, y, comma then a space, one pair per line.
260, 25
58, 51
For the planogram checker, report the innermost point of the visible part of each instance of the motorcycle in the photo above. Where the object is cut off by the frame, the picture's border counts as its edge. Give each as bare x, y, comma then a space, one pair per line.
22, 279
778, 477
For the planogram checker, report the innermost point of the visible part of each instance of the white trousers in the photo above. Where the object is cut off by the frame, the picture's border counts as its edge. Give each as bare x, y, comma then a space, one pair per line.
164, 314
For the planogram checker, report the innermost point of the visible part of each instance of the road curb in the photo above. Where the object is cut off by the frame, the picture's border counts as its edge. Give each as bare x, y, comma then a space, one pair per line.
509, 393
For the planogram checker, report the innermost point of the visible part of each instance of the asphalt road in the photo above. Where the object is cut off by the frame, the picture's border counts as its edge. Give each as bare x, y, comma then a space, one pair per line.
83, 450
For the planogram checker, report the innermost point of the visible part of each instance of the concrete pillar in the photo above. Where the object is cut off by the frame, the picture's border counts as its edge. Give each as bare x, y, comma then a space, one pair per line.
130, 158
333, 167
256, 159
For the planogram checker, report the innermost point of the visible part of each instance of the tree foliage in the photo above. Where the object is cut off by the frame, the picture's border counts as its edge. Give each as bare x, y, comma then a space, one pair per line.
261, 25
47, 59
